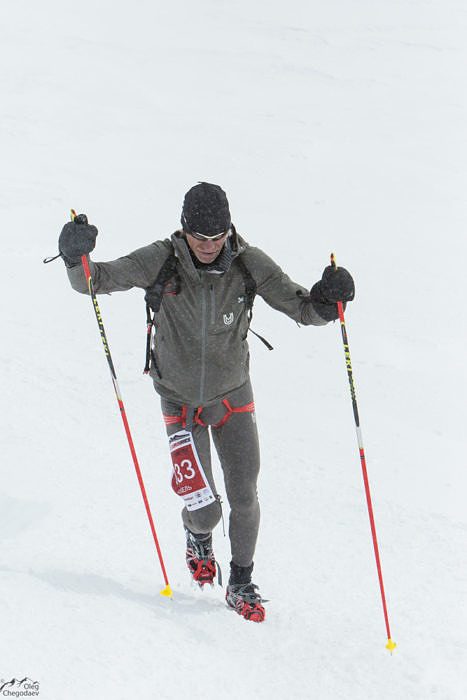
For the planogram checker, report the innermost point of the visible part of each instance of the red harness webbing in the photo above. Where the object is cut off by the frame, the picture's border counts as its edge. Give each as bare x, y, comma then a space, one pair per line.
171, 420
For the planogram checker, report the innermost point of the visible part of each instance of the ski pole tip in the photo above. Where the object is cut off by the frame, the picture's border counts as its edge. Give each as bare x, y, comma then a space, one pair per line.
391, 645
167, 592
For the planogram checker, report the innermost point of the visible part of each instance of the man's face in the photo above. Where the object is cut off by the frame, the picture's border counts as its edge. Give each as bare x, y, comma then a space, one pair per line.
206, 250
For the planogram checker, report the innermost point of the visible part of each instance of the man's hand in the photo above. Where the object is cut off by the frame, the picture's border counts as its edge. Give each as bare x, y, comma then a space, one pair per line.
76, 239
335, 285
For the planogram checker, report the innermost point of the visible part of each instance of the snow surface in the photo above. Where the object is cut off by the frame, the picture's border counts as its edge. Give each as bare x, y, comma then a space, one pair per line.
333, 126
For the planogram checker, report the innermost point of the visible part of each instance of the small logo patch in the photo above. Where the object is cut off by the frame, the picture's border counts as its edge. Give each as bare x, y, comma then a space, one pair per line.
228, 320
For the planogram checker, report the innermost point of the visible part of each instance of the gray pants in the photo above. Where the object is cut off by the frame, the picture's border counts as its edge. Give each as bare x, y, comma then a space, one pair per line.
236, 443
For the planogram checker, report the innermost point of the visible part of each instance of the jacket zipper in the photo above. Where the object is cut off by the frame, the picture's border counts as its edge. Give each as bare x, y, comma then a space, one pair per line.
203, 345
213, 305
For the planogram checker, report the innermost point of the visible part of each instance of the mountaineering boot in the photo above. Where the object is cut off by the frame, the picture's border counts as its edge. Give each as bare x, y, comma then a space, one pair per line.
241, 594
200, 558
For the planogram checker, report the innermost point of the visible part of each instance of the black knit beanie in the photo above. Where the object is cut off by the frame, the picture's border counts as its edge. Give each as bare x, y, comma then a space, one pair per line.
206, 210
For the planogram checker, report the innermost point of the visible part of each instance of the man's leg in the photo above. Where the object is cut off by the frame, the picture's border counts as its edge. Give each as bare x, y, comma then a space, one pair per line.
237, 446
199, 522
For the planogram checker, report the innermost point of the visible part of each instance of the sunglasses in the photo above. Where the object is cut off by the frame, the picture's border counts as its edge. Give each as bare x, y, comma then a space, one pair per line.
202, 237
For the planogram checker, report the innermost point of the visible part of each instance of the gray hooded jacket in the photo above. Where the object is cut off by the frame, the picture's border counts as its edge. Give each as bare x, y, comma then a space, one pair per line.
200, 353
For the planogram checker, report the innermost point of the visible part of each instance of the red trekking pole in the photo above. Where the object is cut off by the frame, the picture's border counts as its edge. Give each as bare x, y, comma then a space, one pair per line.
166, 591
390, 645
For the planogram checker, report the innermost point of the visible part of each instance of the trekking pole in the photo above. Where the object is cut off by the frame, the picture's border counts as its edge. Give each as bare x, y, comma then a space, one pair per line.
167, 590
390, 645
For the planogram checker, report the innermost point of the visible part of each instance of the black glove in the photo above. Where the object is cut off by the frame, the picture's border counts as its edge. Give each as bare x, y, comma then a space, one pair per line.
76, 239
335, 285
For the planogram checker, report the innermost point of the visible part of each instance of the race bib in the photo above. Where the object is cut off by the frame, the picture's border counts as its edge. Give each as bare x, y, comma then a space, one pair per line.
188, 477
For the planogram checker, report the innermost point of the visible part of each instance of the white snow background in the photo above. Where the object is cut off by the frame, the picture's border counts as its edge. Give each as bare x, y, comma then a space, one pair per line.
333, 126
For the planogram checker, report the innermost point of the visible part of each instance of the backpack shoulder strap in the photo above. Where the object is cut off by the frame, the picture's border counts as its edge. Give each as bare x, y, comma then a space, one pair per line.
250, 286
250, 293
154, 293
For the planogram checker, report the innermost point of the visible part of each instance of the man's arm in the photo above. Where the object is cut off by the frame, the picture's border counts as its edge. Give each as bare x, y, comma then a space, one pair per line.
280, 292
138, 269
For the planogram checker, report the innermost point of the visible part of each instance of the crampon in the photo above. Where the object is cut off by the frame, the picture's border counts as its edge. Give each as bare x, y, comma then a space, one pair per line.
200, 559
244, 599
